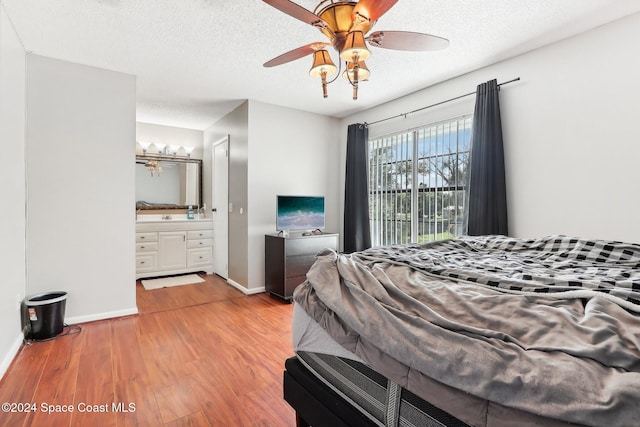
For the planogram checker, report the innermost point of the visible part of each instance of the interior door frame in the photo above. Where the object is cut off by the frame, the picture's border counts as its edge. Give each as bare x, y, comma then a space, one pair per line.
220, 237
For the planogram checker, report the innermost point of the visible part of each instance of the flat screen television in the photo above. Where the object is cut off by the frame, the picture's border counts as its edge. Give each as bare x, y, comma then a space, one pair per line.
300, 213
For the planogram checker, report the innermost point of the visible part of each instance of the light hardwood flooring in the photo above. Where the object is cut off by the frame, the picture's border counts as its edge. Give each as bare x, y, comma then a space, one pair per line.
197, 355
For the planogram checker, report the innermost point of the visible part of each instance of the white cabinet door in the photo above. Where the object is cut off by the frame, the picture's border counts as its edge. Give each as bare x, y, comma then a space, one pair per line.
172, 247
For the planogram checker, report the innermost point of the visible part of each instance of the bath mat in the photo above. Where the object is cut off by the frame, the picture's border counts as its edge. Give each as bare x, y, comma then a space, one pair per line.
166, 282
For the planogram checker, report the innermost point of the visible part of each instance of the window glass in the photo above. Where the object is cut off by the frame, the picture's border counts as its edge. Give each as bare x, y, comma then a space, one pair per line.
416, 183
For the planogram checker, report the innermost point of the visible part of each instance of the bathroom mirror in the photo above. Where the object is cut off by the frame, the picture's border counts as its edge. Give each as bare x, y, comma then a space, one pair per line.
177, 186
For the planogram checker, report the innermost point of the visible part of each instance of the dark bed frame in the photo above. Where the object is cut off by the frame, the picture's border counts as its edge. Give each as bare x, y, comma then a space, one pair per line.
315, 403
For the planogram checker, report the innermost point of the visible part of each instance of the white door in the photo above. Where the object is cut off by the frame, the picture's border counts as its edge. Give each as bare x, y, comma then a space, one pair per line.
220, 198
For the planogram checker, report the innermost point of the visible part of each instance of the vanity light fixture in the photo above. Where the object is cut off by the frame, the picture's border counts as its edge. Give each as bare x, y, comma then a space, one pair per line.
188, 150
144, 145
160, 147
173, 149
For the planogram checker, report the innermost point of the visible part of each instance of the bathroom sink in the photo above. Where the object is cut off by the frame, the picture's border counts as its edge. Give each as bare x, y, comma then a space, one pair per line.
149, 217
166, 218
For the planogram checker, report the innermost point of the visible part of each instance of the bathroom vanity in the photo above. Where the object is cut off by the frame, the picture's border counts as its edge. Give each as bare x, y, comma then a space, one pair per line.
174, 246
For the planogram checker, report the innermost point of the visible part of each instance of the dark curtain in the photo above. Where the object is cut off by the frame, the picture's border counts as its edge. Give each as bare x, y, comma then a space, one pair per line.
487, 192
357, 235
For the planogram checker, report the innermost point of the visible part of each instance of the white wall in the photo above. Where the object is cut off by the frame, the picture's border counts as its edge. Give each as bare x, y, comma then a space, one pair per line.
570, 134
80, 137
273, 150
290, 152
12, 190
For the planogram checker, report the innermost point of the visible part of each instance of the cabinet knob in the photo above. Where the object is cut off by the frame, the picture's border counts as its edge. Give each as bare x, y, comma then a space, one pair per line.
142, 247
141, 237
141, 262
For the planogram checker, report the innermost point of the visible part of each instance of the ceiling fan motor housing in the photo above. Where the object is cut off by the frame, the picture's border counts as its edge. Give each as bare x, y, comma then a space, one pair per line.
341, 19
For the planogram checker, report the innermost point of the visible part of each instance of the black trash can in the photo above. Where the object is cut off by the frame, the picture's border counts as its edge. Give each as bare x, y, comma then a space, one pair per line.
45, 314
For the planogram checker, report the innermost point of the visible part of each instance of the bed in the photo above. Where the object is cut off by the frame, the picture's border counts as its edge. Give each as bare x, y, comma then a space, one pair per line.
482, 331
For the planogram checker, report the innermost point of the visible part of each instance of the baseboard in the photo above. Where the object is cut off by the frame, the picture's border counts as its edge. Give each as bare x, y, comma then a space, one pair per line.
11, 354
244, 290
101, 316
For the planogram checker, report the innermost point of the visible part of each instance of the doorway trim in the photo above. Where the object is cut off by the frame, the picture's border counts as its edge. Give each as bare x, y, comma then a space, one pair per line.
219, 205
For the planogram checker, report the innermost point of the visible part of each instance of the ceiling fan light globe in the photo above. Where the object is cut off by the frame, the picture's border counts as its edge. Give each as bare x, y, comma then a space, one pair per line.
322, 64
363, 72
355, 47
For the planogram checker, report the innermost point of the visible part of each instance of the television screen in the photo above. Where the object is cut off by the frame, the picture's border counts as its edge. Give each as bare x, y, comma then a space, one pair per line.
300, 213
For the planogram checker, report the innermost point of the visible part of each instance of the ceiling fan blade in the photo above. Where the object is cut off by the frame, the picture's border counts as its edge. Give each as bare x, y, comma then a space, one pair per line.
373, 9
298, 12
294, 54
406, 40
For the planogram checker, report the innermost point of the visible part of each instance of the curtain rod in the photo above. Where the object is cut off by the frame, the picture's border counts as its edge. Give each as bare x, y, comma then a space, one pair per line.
434, 105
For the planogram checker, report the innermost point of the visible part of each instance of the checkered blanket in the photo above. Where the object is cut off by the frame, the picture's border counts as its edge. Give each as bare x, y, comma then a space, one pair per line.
548, 326
560, 266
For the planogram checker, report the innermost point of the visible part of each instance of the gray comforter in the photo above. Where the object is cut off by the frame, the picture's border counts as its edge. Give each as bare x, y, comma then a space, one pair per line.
548, 326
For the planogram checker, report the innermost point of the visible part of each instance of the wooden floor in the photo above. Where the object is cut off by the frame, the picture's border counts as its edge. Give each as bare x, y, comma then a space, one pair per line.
197, 355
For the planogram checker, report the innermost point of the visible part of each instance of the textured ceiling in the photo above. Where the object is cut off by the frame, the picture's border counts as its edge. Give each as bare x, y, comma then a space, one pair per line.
196, 60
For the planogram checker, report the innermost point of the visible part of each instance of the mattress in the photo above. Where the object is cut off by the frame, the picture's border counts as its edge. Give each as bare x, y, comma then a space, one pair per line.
368, 391
382, 401
307, 335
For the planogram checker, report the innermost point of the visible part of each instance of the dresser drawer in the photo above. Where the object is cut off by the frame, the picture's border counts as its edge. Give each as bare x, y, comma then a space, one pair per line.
199, 257
200, 234
309, 245
298, 265
146, 237
146, 262
291, 283
200, 243
146, 247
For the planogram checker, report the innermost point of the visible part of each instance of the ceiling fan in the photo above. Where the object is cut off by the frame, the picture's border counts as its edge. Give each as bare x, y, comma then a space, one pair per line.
346, 24
154, 164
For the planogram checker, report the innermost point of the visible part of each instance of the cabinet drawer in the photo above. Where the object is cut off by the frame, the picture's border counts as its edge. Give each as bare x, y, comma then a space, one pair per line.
291, 284
310, 245
200, 234
199, 257
146, 247
146, 262
146, 237
298, 265
200, 243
